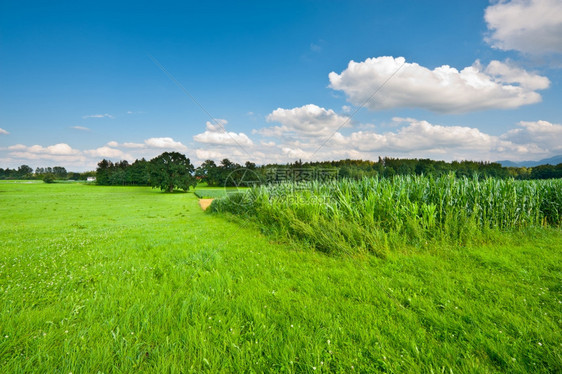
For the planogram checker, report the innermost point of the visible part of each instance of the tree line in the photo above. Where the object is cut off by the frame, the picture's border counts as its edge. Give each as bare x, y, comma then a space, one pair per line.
168, 171
228, 173
58, 172
218, 175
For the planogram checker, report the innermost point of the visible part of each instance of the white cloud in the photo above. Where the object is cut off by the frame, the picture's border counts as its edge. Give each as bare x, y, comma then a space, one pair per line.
443, 89
543, 134
63, 154
508, 73
152, 143
106, 115
302, 131
58, 152
218, 138
132, 145
409, 137
165, 143
2, 131
421, 139
57, 149
528, 26
217, 135
307, 121
209, 154
423, 136
17, 147
81, 128
107, 152
403, 137
233, 153
297, 153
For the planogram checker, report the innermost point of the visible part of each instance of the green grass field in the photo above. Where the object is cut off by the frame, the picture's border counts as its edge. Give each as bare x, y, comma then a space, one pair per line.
204, 192
128, 279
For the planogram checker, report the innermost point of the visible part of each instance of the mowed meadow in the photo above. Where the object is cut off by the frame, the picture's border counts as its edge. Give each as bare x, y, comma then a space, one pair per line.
130, 279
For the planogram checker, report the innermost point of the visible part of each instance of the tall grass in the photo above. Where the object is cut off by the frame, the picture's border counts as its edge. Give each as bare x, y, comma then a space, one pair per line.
348, 216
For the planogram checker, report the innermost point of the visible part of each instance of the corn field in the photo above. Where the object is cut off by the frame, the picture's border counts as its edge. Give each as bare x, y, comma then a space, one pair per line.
372, 214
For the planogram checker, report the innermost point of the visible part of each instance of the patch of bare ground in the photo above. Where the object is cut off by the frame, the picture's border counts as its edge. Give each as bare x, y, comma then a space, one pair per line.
204, 203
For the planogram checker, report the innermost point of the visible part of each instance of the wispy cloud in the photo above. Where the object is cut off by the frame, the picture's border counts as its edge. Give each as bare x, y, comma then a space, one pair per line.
105, 115
2, 131
315, 47
81, 128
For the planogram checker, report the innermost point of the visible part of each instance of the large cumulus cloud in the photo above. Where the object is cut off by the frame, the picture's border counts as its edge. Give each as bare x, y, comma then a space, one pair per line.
528, 26
443, 89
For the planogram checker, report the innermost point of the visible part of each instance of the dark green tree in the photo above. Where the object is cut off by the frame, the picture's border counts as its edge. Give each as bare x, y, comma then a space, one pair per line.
171, 170
118, 177
138, 173
104, 171
60, 172
209, 172
229, 173
49, 178
25, 171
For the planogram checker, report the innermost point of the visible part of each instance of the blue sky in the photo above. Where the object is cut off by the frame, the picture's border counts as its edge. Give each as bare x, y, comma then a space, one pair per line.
279, 81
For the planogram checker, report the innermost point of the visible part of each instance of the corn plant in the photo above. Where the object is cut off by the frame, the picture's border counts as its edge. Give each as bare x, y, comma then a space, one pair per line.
367, 215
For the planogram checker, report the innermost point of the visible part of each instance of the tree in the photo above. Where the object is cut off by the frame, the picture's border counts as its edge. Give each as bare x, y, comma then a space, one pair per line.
252, 166
49, 178
138, 173
208, 172
24, 171
118, 177
103, 171
60, 172
226, 175
171, 170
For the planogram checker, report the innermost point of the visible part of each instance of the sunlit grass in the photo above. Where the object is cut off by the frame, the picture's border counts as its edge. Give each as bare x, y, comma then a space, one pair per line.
124, 279
204, 192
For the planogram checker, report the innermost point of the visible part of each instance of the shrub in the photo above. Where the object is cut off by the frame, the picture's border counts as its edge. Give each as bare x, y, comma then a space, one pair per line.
49, 178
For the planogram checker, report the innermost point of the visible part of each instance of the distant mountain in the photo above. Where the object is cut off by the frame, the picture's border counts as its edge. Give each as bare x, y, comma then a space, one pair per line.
529, 164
